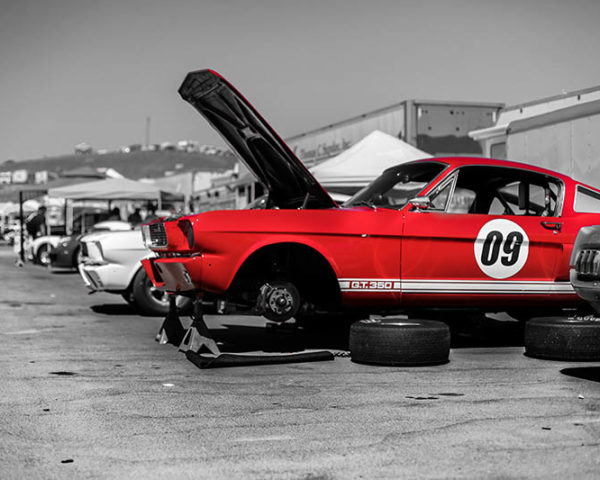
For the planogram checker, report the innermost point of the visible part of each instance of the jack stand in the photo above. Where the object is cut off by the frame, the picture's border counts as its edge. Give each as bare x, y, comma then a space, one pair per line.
201, 349
198, 336
171, 330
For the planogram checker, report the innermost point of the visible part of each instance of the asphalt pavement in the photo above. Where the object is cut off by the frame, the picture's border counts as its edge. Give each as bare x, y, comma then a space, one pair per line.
86, 392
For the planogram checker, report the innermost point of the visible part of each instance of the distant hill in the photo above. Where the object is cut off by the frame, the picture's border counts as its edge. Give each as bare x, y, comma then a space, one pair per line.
132, 165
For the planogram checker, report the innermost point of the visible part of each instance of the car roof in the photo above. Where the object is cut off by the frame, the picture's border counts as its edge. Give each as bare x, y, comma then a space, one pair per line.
455, 162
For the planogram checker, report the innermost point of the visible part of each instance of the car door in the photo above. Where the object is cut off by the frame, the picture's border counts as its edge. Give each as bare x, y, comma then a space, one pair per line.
453, 252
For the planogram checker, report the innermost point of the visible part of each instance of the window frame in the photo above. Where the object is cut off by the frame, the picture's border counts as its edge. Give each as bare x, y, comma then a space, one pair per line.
451, 178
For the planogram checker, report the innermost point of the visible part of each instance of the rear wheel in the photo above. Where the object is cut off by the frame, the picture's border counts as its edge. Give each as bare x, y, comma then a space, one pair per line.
150, 300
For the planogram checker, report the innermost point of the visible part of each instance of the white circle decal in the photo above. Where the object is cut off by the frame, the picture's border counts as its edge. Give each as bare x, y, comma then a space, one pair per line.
501, 248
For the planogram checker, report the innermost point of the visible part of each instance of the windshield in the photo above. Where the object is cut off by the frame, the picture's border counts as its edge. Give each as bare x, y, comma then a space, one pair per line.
397, 185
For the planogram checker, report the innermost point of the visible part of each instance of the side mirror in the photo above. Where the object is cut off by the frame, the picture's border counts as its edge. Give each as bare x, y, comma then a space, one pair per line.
420, 203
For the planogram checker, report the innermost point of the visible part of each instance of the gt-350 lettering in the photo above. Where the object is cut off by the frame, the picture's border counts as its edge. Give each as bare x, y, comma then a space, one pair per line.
371, 285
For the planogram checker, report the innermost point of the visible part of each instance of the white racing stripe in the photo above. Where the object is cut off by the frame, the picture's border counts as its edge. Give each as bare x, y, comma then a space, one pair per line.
454, 286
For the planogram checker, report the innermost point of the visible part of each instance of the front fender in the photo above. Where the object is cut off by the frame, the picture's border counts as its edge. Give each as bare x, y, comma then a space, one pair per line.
225, 280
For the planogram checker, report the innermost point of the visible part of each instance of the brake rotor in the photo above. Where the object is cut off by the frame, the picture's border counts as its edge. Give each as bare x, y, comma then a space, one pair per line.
281, 300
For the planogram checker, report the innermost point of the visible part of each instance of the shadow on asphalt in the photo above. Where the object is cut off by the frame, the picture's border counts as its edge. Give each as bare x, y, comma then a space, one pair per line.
487, 333
236, 338
586, 373
64, 272
483, 333
239, 338
115, 309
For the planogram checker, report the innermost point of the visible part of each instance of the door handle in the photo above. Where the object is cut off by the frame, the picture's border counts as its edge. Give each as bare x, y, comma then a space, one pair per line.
552, 225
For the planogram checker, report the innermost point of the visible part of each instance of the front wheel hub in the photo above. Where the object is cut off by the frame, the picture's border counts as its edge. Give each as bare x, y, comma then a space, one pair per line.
279, 300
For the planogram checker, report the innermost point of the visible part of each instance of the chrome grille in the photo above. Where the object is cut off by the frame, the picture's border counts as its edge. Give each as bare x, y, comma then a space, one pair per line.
588, 263
158, 235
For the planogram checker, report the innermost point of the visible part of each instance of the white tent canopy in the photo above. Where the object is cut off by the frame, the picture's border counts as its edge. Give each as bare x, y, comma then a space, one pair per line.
110, 189
365, 161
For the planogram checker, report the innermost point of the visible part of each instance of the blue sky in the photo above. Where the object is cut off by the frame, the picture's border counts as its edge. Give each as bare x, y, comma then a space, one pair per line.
93, 70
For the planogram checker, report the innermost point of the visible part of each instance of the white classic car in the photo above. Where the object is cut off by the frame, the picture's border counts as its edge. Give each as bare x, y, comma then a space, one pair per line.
110, 262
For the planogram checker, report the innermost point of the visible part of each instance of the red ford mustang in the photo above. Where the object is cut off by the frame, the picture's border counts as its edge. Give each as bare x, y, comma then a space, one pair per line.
445, 232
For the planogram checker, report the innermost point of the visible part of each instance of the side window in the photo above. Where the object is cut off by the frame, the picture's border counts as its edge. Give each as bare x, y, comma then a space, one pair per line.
586, 201
494, 190
439, 199
539, 200
462, 200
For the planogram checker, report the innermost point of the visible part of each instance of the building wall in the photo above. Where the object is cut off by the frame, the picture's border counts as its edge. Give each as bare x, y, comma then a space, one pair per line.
329, 141
443, 129
571, 147
436, 127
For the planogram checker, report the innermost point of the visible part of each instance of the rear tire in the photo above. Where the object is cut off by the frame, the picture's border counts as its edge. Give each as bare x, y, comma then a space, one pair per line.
400, 342
149, 300
563, 338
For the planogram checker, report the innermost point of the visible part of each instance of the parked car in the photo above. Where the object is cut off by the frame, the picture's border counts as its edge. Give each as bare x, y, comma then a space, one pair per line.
38, 249
65, 254
456, 232
585, 265
110, 262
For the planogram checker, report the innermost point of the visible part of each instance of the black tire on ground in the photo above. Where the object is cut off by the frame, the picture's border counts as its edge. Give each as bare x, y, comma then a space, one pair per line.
563, 338
401, 342
42, 256
149, 300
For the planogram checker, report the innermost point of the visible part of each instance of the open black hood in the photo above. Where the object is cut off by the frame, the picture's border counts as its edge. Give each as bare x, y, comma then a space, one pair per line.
289, 182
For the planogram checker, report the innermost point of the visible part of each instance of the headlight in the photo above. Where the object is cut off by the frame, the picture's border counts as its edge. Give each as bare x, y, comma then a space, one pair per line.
154, 235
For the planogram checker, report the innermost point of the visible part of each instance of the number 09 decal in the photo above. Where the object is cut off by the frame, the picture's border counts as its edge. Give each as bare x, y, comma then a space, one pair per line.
501, 248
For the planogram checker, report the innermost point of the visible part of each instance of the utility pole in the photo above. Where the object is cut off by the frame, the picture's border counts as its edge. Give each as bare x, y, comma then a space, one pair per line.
147, 132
